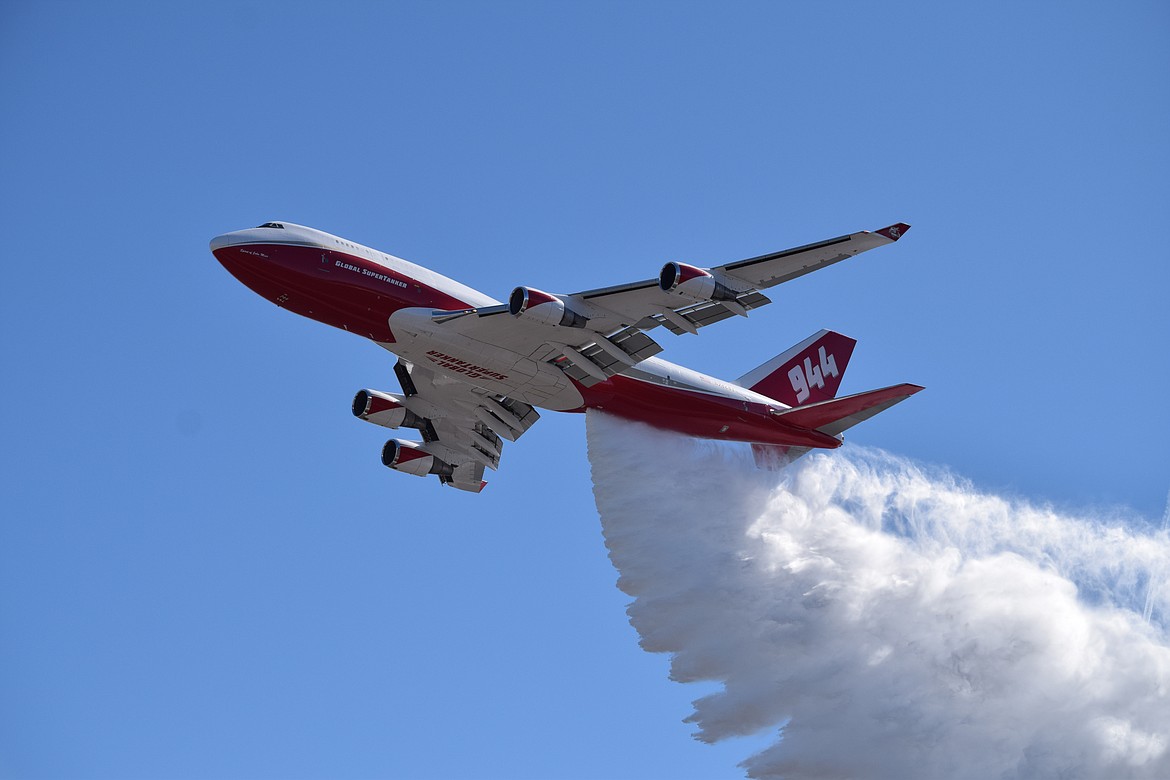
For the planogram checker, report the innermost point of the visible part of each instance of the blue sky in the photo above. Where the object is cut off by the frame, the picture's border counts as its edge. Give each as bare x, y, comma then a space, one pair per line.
204, 568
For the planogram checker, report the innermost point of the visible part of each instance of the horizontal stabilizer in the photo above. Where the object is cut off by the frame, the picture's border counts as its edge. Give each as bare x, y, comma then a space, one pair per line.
840, 414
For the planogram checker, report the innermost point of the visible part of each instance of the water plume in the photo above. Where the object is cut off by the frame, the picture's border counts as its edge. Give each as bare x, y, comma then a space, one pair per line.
886, 619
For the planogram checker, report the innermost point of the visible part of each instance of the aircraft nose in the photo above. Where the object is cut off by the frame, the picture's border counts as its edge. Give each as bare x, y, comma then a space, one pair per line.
219, 242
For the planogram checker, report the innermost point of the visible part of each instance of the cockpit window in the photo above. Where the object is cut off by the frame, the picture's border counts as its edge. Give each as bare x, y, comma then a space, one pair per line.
273, 225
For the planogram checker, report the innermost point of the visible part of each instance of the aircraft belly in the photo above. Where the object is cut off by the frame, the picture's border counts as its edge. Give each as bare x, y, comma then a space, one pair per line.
497, 369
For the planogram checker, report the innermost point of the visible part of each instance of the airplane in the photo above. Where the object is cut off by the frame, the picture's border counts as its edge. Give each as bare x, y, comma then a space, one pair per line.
473, 370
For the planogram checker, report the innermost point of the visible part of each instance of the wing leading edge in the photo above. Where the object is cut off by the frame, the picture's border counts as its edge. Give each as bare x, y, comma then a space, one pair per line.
646, 304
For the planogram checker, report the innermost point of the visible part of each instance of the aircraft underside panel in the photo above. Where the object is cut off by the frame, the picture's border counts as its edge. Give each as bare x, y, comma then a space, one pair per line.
527, 378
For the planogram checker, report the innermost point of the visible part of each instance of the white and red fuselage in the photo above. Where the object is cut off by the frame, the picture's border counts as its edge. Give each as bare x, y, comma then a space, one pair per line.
397, 304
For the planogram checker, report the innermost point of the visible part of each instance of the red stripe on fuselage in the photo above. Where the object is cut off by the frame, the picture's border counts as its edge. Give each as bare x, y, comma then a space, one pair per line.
698, 414
332, 287
357, 295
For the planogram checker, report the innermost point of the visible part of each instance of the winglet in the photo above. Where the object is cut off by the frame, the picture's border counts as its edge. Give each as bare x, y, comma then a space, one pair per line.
894, 232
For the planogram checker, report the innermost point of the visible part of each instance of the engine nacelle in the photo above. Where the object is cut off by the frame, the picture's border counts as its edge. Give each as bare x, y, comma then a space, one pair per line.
542, 307
384, 409
409, 457
691, 282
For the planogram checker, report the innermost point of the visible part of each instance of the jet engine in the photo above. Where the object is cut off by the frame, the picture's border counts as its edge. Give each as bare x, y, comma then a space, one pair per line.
691, 282
409, 457
542, 307
384, 409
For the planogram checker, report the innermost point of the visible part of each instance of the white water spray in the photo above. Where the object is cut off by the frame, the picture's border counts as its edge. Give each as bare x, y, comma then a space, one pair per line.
890, 622
1157, 584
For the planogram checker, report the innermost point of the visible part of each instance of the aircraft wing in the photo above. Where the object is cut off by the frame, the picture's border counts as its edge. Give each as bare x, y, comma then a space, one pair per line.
464, 424
598, 333
646, 304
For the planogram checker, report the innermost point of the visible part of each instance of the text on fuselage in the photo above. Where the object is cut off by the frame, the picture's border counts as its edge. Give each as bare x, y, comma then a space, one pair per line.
463, 367
367, 272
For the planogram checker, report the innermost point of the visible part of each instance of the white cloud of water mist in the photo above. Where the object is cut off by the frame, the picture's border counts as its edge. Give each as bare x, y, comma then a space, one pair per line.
888, 621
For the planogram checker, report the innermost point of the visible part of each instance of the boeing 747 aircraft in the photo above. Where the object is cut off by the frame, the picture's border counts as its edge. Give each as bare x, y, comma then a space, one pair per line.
473, 369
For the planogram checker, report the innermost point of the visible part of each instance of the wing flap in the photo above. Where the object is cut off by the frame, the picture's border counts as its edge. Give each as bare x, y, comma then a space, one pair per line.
700, 315
636, 345
468, 476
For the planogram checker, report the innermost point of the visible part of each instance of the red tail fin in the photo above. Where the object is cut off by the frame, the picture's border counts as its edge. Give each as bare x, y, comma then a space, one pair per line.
809, 372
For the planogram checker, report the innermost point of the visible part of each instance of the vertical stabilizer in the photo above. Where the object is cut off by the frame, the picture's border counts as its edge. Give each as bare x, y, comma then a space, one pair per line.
807, 373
